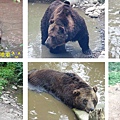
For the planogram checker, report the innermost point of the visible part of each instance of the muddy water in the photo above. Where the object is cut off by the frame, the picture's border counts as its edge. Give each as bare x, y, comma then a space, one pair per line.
43, 106
19, 95
36, 50
114, 29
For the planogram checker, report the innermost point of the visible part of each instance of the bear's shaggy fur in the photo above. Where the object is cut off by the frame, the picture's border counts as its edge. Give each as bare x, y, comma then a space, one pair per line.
61, 24
68, 87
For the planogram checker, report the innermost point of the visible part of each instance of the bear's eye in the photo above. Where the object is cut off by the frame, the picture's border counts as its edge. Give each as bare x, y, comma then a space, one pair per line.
51, 21
85, 102
61, 30
94, 102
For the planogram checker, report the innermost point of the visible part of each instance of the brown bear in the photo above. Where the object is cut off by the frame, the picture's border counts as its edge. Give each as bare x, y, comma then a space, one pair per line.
61, 24
68, 87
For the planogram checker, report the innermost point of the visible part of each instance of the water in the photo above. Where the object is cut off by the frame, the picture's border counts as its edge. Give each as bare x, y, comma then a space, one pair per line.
19, 94
36, 50
43, 106
114, 29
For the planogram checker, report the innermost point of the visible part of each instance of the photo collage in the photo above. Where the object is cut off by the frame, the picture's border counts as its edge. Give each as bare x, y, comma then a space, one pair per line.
59, 60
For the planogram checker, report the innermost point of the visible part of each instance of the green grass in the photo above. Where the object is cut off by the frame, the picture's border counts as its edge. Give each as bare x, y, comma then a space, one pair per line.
114, 77
3, 84
11, 73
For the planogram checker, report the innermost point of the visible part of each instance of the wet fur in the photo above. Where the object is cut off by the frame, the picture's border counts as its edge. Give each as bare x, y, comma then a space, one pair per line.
63, 15
65, 86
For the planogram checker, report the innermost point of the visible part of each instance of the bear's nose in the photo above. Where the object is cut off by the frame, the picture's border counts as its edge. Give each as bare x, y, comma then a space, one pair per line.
47, 44
91, 109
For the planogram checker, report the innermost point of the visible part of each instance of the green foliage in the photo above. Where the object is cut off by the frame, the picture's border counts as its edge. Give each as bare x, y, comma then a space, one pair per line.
6, 73
16, 0
114, 66
114, 73
11, 73
3, 83
114, 77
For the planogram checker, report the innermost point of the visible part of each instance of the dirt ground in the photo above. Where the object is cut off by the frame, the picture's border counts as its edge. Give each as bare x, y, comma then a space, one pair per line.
114, 102
11, 28
7, 112
10, 109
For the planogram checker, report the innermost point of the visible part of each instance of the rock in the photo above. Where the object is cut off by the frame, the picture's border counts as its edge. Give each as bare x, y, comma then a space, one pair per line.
11, 110
81, 115
117, 89
103, 53
95, 1
6, 102
86, 2
102, 7
87, 13
7, 92
20, 86
9, 107
90, 9
97, 115
94, 15
101, 56
14, 87
97, 11
94, 8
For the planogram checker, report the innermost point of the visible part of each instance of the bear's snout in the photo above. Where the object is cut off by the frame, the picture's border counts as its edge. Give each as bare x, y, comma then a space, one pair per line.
48, 42
91, 109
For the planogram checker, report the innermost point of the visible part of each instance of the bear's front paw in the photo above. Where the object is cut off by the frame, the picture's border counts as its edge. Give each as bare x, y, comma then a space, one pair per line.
87, 52
43, 43
57, 50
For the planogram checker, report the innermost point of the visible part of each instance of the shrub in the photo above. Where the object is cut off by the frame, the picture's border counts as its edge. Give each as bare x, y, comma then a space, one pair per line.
11, 73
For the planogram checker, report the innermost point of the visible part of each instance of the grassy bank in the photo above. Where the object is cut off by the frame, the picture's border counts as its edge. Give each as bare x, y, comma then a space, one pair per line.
11, 73
114, 73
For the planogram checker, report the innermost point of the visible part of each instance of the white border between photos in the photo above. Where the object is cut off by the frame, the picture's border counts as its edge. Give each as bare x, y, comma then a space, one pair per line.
25, 60
106, 60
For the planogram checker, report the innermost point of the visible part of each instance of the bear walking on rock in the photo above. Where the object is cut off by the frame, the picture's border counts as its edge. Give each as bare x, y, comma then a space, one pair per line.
61, 24
68, 87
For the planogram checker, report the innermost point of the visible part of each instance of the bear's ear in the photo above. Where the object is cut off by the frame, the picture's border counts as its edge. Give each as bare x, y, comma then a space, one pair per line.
67, 2
95, 89
64, 11
76, 92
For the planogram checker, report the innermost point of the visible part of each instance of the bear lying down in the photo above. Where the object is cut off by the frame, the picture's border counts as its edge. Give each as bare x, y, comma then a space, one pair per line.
61, 24
68, 87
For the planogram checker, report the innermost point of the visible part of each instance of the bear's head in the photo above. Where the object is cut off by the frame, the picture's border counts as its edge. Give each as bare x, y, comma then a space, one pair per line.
58, 26
56, 36
85, 99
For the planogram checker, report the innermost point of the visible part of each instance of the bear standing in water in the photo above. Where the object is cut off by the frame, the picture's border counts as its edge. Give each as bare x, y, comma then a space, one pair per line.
61, 24
68, 87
